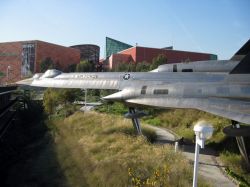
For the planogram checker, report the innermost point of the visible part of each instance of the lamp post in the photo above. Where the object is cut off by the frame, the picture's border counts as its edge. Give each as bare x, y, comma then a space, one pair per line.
203, 131
8, 73
85, 99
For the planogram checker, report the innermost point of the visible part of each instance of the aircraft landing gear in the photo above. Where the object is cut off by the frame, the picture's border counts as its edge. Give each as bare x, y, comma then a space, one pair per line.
241, 144
134, 115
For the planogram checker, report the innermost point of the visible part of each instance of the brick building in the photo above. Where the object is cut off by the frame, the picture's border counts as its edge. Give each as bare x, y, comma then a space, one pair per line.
21, 59
139, 54
119, 52
89, 52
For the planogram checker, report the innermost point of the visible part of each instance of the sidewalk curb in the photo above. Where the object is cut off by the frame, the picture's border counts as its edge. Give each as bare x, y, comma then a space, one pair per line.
218, 161
213, 158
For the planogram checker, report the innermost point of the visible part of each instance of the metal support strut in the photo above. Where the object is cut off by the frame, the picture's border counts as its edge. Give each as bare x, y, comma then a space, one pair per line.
241, 144
135, 121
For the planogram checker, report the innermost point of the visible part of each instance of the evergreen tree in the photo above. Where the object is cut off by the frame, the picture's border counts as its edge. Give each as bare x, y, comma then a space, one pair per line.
142, 66
157, 61
46, 64
85, 66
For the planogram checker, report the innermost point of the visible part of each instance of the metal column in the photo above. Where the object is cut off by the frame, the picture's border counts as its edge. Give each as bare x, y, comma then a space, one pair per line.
135, 121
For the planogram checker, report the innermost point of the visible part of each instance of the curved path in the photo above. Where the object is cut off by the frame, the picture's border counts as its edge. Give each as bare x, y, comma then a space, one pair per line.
208, 166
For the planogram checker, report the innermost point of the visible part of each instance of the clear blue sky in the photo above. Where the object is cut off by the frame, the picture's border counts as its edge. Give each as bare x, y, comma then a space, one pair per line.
212, 26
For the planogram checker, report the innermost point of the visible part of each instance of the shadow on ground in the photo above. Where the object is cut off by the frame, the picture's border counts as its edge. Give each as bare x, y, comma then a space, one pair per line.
191, 149
30, 157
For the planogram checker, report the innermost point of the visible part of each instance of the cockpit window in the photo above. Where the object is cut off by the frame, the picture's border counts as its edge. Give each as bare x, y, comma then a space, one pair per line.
187, 70
51, 73
161, 91
143, 90
174, 68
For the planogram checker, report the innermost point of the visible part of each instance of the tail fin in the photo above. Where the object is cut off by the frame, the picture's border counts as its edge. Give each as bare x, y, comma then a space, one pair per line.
242, 52
243, 67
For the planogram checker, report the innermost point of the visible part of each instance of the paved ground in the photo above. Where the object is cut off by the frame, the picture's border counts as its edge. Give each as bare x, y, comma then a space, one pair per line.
86, 108
208, 167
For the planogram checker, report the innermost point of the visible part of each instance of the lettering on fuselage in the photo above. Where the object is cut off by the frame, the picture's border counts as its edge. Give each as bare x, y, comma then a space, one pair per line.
85, 76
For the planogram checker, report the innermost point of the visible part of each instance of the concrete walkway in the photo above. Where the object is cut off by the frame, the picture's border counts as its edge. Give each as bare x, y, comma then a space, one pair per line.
208, 167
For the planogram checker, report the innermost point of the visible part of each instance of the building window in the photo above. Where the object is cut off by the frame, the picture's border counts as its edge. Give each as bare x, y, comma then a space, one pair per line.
114, 46
161, 92
143, 90
28, 59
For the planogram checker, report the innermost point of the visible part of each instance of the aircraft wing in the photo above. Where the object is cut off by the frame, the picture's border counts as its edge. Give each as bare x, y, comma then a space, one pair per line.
232, 109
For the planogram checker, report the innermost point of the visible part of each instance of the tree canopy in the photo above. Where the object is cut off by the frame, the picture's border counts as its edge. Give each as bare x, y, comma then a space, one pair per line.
157, 61
1, 74
141, 66
46, 64
85, 66
54, 97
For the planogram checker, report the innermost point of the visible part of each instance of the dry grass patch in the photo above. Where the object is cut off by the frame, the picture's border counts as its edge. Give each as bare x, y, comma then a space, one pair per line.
96, 149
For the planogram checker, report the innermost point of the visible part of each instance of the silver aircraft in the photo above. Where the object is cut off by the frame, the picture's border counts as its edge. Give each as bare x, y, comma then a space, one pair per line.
220, 93
208, 65
224, 93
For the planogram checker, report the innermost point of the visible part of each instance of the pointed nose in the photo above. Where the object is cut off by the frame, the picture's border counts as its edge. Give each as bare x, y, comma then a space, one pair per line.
27, 82
112, 97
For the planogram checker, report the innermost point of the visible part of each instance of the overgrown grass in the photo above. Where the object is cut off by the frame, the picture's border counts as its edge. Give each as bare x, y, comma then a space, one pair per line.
182, 121
93, 149
101, 150
113, 108
233, 162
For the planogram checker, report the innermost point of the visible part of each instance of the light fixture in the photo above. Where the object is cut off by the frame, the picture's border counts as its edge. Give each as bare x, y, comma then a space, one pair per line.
203, 131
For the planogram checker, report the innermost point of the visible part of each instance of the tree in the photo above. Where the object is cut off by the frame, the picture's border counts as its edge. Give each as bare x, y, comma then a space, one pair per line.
65, 96
58, 66
131, 67
50, 100
121, 67
46, 64
71, 68
157, 61
54, 97
142, 67
85, 66
1, 74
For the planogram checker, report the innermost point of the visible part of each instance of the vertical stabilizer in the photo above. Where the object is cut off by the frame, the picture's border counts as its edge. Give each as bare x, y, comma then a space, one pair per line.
242, 52
243, 67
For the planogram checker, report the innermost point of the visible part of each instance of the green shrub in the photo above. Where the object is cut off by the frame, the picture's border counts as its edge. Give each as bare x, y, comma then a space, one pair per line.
154, 121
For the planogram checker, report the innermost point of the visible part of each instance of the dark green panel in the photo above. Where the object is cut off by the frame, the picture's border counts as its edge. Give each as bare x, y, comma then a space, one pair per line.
115, 46
213, 57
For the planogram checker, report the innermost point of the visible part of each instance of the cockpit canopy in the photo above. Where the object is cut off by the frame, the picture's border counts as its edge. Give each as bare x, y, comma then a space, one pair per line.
37, 75
51, 73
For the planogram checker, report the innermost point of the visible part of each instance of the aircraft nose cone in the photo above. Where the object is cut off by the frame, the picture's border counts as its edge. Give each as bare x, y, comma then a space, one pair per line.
115, 96
25, 82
